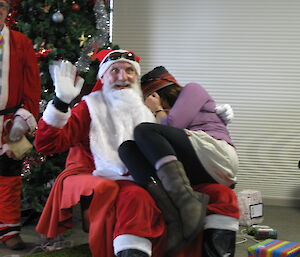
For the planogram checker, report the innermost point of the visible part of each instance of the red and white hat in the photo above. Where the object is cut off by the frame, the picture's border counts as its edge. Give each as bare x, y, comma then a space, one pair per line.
108, 57
157, 79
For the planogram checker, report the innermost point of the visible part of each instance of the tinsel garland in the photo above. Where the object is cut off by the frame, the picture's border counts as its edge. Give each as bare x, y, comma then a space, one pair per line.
99, 40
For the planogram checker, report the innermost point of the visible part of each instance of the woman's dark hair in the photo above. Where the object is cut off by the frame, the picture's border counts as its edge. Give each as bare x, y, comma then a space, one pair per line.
169, 94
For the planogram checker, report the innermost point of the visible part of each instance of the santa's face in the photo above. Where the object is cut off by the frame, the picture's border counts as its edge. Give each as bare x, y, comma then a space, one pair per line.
120, 75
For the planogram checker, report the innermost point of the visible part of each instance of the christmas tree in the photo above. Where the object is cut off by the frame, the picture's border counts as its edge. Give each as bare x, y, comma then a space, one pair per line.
70, 30
63, 30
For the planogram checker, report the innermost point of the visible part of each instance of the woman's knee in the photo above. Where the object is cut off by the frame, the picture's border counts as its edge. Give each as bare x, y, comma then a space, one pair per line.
126, 147
143, 129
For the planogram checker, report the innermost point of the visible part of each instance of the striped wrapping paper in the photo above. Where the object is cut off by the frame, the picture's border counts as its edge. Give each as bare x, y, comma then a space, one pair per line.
274, 248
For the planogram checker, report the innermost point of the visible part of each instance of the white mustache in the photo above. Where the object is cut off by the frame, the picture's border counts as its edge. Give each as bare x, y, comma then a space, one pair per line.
122, 84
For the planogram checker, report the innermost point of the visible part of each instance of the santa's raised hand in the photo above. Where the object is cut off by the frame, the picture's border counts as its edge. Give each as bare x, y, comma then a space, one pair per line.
67, 84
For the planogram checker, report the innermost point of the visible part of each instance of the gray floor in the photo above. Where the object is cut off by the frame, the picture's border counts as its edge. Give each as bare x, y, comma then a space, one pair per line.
33, 239
285, 220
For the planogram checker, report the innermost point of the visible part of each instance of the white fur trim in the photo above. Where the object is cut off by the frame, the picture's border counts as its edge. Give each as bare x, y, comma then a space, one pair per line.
126, 241
54, 117
104, 66
218, 221
10, 234
3, 149
5, 68
4, 89
3, 225
28, 117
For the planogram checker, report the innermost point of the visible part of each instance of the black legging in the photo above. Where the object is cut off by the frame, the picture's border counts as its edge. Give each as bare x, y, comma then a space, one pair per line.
154, 141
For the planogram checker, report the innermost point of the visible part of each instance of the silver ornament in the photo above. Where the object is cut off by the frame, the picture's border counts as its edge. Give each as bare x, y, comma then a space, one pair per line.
57, 17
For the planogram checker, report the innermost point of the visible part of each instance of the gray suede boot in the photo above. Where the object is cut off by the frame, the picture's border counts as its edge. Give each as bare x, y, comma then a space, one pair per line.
171, 216
191, 204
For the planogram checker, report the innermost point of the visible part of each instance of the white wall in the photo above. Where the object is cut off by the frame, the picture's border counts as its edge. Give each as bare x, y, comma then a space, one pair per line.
244, 52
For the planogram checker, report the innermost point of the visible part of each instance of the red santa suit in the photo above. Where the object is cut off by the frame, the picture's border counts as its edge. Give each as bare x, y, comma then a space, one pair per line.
20, 88
119, 207
114, 191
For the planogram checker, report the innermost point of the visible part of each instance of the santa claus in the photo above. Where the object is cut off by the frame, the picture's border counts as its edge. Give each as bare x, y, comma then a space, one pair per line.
123, 218
19, 106
94, 129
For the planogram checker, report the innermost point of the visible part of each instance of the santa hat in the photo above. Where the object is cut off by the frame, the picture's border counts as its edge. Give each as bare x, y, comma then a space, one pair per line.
108, 57
156, 79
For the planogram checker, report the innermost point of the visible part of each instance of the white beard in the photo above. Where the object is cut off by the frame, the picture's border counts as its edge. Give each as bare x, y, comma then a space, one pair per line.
127, 110
118, 112
110, 93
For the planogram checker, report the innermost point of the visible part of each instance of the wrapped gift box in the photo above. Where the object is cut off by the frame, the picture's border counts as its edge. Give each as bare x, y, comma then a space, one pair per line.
251, 207
274, 248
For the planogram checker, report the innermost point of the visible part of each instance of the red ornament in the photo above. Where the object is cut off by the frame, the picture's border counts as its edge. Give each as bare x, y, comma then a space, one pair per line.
11, 21
75, 7
43, 52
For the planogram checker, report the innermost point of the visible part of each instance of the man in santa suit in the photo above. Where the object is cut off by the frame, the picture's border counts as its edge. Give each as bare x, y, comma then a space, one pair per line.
19, 102
123, 218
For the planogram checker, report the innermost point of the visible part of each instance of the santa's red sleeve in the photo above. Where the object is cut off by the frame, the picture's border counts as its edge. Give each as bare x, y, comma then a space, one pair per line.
24, 78
57, 131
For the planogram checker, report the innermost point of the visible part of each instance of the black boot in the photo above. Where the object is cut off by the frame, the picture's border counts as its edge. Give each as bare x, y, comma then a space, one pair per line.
219, 243
191, 204
171, 216
132, 253
15, 243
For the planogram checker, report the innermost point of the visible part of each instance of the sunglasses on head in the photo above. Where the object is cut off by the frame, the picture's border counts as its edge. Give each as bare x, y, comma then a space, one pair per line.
118, 55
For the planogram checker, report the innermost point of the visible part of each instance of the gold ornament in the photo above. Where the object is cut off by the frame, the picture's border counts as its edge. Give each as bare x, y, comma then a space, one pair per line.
89, 54
82, 39
46, 8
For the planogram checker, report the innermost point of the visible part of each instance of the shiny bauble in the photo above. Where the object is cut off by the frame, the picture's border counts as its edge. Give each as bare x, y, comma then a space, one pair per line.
57, 17
75, 7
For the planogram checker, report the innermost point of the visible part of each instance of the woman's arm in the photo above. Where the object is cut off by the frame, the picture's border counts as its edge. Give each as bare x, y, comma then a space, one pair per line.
189, 102
153, 102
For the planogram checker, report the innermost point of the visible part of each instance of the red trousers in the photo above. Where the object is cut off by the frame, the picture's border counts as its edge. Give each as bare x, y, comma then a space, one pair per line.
10, 206
222, 199
120, 207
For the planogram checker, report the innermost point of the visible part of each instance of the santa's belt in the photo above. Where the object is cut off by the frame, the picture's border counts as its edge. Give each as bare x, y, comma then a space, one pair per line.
10, 110
10, 167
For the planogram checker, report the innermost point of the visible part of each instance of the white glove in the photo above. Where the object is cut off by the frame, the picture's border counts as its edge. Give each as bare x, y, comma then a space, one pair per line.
225, 112
18, 129
67, 85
